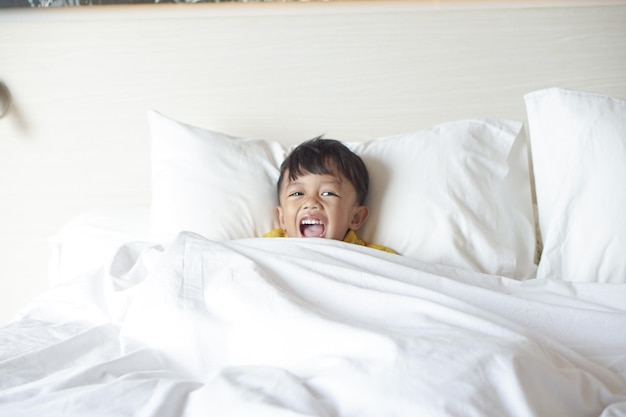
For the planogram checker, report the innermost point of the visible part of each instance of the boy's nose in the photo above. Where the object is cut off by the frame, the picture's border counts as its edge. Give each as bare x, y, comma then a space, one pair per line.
311, 203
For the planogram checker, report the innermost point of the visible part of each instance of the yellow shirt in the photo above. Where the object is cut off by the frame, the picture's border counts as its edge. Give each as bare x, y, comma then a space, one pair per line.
351, 237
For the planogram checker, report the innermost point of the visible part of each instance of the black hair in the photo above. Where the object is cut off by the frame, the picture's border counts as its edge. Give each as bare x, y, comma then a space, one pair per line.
324, 156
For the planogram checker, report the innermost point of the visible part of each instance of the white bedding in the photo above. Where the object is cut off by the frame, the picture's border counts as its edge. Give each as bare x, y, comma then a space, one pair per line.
311, 327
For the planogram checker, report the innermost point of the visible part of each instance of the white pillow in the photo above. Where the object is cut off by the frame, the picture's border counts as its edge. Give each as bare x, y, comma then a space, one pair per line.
210, 183
578, 143
458, 194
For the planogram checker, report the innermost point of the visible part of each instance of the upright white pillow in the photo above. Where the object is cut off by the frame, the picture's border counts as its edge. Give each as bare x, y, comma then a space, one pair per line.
210, 183
457, 194
578, 143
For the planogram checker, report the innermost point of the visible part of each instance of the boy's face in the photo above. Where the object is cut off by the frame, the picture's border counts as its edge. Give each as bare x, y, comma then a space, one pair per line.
319, 205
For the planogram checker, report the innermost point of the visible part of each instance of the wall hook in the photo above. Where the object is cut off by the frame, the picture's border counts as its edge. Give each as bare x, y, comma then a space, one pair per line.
5, 99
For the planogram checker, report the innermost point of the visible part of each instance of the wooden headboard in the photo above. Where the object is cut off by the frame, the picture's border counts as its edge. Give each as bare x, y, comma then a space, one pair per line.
82, 79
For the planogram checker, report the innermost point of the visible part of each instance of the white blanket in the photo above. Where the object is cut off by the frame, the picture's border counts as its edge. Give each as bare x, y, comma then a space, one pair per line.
311, 327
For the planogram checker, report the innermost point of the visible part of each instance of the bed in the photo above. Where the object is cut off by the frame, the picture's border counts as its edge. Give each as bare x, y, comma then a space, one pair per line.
143, 145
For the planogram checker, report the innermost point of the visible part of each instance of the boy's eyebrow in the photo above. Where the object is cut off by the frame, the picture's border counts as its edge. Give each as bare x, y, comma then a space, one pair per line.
296, 182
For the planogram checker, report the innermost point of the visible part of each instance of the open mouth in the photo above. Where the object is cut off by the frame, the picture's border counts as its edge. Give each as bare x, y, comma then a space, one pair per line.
312, 228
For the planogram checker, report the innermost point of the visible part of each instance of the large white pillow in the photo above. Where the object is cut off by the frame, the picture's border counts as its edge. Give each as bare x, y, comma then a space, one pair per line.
578, 143
213, 184
457, 194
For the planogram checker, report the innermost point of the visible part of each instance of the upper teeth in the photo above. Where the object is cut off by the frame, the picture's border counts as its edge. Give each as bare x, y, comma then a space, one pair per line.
311, 221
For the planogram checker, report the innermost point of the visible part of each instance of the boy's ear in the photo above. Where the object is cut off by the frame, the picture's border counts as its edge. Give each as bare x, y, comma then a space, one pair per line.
358, 217
278, 212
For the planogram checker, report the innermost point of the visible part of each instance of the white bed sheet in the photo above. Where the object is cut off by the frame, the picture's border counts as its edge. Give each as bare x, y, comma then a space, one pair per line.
311, 327
91, 239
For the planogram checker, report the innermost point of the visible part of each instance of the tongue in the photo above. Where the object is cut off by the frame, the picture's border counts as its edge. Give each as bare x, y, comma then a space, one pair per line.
313, 230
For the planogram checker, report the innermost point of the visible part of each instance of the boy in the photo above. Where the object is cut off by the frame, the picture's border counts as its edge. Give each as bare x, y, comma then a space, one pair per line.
321, 193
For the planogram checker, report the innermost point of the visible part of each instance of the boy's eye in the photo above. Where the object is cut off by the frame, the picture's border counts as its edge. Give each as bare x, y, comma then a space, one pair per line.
329, 193
296, 194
